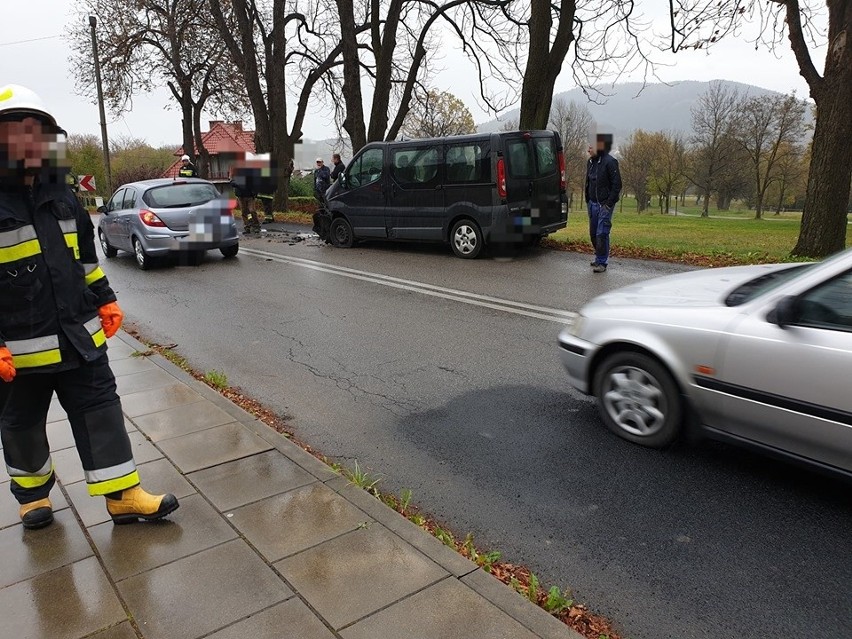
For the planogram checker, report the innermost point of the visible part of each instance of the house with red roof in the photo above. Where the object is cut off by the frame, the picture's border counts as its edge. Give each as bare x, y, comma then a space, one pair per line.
225, 142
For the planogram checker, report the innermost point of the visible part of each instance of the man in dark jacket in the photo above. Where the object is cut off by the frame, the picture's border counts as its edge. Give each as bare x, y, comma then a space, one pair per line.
56, 312
603, 187
339, 167
322, 180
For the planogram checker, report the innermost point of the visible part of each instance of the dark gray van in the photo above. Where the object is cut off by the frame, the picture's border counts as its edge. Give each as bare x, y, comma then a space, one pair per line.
469, 190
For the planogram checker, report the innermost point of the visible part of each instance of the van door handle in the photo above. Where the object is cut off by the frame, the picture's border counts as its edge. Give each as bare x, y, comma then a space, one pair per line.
531, 187
439, 187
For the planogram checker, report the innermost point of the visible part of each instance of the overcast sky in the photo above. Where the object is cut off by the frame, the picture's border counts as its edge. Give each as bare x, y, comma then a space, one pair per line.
43, 66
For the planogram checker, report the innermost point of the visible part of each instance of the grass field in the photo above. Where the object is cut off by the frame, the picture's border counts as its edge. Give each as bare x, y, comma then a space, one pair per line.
726, 237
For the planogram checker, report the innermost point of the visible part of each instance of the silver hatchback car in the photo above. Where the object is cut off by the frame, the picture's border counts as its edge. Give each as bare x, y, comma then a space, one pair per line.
156, 218
757, 355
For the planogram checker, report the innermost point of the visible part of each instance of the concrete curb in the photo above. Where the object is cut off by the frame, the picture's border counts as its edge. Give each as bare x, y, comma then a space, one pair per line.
524, 612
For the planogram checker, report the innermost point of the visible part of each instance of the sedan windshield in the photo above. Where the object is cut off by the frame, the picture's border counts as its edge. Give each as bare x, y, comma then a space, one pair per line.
763, 284
173, 196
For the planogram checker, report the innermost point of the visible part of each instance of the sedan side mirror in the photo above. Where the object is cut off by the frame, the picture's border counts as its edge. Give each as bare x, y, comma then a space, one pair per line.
102, 209
786, 312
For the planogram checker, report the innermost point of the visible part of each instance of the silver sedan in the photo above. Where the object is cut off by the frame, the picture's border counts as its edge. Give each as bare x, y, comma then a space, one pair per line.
157, 218
756, 355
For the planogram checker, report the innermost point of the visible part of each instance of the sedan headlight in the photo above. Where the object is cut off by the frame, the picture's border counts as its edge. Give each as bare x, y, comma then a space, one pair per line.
575, 325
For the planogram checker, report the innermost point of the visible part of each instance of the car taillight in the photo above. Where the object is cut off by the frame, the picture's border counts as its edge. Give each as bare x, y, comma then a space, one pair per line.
562, 185
149, 219
501, 177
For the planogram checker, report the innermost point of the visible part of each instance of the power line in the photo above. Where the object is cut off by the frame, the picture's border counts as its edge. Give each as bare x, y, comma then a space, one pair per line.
9, 44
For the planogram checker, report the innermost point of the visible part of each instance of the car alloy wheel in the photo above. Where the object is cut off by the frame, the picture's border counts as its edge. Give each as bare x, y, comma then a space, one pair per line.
466, 239
108, 250
635, 401
638, 399
142, 259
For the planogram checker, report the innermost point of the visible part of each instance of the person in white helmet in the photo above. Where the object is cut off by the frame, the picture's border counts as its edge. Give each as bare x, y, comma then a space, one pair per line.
56, 312
187, 168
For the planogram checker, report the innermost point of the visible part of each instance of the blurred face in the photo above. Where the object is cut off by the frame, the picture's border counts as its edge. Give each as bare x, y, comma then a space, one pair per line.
27, 144
601, 145
319, 163
591, 151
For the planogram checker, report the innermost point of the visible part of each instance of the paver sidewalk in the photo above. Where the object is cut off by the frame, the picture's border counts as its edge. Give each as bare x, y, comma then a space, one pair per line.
268, 541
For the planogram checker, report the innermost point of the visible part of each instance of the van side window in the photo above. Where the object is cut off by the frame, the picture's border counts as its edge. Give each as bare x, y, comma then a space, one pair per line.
415, 167
365, 169
468, 163
520, 160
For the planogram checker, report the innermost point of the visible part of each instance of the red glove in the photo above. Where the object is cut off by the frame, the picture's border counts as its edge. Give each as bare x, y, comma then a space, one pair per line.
111, 318
7, 365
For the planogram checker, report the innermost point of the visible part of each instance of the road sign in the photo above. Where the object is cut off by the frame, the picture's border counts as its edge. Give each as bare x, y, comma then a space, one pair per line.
86, 182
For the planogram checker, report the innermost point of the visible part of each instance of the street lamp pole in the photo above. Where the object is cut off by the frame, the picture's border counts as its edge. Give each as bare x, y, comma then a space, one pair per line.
93, 22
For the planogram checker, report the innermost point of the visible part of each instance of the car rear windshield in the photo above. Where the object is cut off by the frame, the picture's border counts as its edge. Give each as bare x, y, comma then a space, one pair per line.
763, 284
175, 196
532, 158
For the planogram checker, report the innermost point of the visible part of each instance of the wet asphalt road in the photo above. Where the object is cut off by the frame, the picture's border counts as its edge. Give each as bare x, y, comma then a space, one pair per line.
468, 406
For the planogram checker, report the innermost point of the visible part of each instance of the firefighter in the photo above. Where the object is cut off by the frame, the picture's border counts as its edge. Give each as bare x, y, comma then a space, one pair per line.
267, 185
56, 312
187, 168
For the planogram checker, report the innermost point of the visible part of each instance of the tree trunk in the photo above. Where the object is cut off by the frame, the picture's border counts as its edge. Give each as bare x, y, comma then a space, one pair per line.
544, 62
353, 124
824, 220
186, 125
781, 197
705, 212
203, 165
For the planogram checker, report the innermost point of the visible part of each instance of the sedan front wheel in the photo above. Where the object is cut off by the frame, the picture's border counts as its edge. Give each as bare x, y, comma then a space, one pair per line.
638, 399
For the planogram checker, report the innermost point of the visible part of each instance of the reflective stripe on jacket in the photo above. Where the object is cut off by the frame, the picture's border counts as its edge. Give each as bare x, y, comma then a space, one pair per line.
50, 283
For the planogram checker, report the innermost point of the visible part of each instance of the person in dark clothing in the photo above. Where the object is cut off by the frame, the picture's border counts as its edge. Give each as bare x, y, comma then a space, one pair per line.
603, 187
339, 167
322, 180
57, 311
187, 169
244, 181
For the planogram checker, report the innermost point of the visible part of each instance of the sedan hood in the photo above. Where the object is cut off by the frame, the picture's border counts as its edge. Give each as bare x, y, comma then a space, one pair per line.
706, 287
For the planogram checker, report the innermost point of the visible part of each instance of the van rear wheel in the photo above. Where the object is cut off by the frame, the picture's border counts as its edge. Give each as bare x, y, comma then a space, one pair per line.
466, 239
341, 233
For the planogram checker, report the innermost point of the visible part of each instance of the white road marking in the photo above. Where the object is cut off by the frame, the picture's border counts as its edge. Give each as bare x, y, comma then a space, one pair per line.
496, 303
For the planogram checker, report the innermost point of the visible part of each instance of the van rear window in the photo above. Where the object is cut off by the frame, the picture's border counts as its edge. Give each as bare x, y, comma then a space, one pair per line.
536, 158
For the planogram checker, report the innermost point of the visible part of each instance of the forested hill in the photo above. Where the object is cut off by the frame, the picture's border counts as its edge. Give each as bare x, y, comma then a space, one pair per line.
627, 107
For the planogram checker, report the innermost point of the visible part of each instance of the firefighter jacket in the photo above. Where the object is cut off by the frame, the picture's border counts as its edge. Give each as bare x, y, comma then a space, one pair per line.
50, 283
187, 171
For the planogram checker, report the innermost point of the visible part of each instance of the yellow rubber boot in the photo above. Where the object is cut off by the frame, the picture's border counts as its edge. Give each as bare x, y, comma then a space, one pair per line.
135, 504
37, 514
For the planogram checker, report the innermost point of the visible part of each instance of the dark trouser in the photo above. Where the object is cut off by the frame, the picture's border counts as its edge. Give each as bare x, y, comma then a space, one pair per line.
247, 207
600, 223
89, 397
267, 208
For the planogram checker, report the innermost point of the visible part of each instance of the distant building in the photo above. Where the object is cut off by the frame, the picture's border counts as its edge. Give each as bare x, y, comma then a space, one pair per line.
225, 142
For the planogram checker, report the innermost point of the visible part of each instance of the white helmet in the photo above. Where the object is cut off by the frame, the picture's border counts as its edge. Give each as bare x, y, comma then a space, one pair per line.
184, 157
15, 99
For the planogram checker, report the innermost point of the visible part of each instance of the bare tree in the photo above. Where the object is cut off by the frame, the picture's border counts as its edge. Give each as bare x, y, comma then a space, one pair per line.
667, 176
575, 125
606, 36
276, 47
790, 173
700, 23
438, 114
144, 45
766, 126
637, 159
713, 121
389, 42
